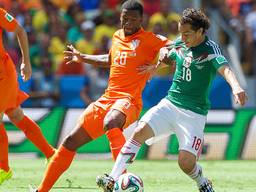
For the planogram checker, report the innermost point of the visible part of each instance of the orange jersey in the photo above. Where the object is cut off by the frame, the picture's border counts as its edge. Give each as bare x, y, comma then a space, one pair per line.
10, 95
127, 54
7, 22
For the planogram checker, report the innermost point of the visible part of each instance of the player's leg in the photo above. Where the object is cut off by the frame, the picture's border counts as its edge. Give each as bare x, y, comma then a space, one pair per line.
121, 114
88, 128
5, 171
152, 124
189, 131
113, 123
188, 164
63, 157
31, 130
126, 156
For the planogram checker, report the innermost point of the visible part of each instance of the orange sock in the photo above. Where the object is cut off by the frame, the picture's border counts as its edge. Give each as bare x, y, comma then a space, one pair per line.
34, 134
3, 149
117, 140
60, 162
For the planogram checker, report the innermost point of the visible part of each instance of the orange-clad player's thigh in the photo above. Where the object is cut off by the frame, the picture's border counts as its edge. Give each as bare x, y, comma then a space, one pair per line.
92, 119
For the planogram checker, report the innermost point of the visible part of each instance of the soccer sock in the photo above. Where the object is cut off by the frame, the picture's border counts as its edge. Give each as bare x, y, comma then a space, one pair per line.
34, 134
116, 140
3, 149
60, 162
197, 175
127, 155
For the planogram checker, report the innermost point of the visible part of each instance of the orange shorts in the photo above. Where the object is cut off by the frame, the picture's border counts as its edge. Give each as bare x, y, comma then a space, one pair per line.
10, 95
93, 116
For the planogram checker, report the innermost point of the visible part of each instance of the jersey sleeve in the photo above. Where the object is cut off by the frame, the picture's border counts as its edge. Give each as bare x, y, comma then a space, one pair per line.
172, 54
158, 41
219, 61
7, 21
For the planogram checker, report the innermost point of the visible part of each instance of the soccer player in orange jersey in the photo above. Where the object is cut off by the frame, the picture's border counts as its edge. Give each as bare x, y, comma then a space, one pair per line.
132, 47
11, 97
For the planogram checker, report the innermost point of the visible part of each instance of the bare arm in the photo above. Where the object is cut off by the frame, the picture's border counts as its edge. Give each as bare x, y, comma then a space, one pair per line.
163, 61
73, 55
239, 94
25, 66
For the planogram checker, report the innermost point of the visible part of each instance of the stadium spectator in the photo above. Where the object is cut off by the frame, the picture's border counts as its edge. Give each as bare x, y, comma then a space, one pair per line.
87, 44
164, 16
85, 92
183, 111
45, 91
151, 6
74, 33
121, 104
107, 28
237, 6
250, 29
11, 97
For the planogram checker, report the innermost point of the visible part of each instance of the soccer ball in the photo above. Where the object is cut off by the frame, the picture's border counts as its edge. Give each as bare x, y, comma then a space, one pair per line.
129, 182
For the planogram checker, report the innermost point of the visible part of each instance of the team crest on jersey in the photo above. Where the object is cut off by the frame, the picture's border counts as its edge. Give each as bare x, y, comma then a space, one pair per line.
9, 17
135, 43
187, 62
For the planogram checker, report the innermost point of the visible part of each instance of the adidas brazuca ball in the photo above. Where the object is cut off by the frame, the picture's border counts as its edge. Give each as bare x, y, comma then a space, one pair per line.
129, 182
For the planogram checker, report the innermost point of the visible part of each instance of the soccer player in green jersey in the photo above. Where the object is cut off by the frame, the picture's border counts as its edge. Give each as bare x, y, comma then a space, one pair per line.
183, 111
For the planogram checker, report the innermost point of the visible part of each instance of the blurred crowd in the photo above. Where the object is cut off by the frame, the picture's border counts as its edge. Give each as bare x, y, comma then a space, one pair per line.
240, 15
89, 25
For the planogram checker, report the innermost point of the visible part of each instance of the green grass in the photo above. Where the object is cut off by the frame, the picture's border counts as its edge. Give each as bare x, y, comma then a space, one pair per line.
158, 176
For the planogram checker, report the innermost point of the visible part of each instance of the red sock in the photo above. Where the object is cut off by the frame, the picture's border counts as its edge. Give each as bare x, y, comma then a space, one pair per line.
60, 162
3, 149
117, 140
34, 134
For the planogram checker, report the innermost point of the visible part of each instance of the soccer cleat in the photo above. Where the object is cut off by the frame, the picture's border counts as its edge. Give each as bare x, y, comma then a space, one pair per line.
32, 189
105, 182
206, 187
5, 175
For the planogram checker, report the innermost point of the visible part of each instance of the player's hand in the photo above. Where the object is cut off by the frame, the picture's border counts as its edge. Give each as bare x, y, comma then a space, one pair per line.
164, 58
148, 68
240, 97
72, 55
163, 54
25, 71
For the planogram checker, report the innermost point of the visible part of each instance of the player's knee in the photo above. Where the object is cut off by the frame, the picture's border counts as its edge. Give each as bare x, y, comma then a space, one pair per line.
111, 122
141, 133
15, 115
186, 163
70, 143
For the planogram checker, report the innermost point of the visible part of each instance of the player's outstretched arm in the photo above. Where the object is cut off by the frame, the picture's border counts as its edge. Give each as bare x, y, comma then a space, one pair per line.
73, 55
163, 61
239, 93
25, 67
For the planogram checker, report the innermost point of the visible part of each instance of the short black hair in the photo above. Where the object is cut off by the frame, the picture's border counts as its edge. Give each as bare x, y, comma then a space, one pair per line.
196, 18
133, 5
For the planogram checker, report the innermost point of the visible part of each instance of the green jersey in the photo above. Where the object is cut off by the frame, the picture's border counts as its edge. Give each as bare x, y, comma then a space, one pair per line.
195, 70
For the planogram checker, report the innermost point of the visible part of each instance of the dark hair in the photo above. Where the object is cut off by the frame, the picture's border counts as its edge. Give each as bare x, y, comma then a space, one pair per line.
196, 18
133, 5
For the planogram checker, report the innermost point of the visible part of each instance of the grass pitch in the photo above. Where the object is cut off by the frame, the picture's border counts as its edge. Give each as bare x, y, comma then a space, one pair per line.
158, 176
